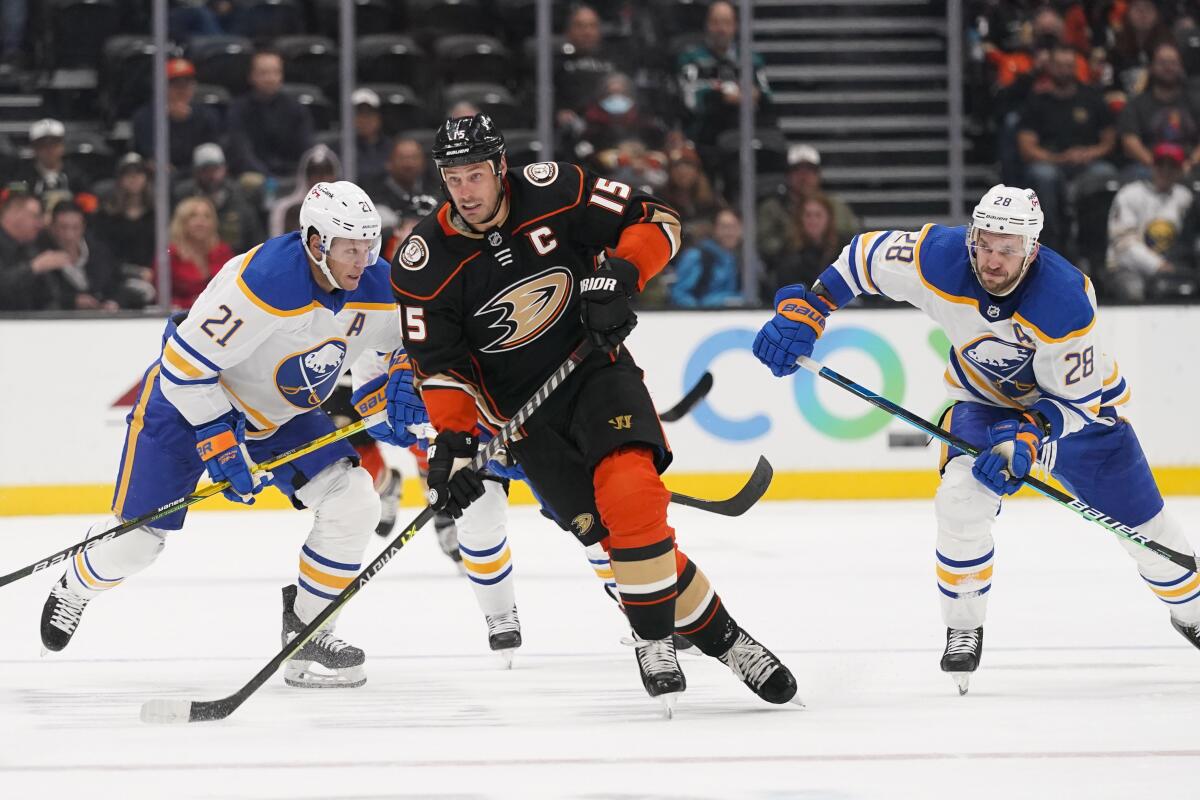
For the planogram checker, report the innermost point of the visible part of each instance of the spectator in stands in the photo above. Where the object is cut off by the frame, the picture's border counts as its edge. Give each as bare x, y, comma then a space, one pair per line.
188, 125
709, 274
463, 108
47, 176
633, 163
239, 221
1142, 31
189, 18
268, 130
371, 146
1151, 228
317, 165
91, 279
689, 192
125, 219
1162, 113
813, 244
1065, 136
581, 68
196, 250
780, 216
709, 77
406, 175
615, 116
23, 270
13, 14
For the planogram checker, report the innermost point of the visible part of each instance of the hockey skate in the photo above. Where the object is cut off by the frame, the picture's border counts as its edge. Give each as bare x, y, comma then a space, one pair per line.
659, 667
758, 668
504, 635
964, 649
1189, 631
389, 501
341, 664
447, 536
60, 615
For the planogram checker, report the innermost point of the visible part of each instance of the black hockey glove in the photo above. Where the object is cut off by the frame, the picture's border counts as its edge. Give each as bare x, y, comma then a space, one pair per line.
604, 303
453, 485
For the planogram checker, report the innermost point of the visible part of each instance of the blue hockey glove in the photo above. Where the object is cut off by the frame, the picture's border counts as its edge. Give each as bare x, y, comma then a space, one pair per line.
377, 395
798, 322
453, 485
1012, 450
221, 445
405, 406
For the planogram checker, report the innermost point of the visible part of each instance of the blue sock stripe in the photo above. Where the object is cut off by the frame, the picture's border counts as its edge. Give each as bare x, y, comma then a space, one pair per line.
956, 595
88, 563
491, 551
975, 562
327, 561
1175, 582
1187, 599
490, 581
600, 560
309, 588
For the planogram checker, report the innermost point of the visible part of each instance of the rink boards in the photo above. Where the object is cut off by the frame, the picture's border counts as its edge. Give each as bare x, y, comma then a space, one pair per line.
73, 381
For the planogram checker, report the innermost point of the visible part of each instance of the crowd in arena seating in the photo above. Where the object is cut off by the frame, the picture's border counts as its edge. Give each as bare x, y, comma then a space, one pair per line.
1091, 105
1078, 99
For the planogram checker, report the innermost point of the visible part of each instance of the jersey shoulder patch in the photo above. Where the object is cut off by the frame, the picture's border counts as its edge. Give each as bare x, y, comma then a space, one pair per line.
425, 262
275, 276
543, 173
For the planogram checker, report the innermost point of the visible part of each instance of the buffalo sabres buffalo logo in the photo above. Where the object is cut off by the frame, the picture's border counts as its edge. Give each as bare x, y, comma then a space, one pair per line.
524, 311
542, 173
414, 254
306, 379
1008, 366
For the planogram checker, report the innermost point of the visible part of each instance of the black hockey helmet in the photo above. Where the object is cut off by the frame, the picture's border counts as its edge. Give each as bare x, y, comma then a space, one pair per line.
468, 140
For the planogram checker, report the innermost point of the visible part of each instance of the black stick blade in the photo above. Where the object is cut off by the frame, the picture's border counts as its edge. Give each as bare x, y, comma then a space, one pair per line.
740, 503
689, 400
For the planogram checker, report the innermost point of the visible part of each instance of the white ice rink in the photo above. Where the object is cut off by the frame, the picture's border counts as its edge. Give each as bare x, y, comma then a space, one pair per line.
1085, 690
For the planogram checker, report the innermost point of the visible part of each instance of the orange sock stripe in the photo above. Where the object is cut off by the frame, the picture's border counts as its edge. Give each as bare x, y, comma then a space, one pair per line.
707, 619
628, 602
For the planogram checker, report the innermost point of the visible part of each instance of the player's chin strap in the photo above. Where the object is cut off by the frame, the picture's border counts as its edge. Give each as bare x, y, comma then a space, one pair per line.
500, 197
322, 264
1031, 252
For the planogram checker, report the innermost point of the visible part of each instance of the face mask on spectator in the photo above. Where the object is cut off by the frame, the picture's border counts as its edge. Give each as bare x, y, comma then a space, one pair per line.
617, 104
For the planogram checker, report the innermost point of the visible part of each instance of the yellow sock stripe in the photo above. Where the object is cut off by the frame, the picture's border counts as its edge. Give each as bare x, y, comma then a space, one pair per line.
1177, 591
135, 428
954, 579
324, 578
89, 577
487, 567
604, 573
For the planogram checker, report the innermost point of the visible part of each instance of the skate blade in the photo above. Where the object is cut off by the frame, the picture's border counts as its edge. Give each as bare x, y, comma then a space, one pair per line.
302, 675
506, 656
962, 680
668, 701
166, 712
796, 701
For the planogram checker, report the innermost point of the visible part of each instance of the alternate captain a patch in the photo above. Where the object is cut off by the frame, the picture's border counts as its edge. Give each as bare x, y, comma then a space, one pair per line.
306, 379
1008, 366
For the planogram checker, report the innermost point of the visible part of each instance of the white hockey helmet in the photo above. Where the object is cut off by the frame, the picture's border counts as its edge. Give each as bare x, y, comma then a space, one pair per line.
1008, 210
339, 210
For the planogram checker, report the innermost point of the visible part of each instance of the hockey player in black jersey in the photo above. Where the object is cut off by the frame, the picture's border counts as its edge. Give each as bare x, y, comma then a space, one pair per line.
496, 289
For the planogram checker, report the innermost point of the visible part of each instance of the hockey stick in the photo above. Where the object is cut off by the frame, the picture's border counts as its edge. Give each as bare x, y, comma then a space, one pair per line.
1060, 497
170, 710
689, 400
740, 503
191, 499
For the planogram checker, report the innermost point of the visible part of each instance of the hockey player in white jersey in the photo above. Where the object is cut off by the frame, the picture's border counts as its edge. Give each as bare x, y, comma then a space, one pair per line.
240, 380
1032, 384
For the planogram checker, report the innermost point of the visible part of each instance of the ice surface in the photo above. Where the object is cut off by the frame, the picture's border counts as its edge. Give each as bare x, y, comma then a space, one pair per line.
1084, 691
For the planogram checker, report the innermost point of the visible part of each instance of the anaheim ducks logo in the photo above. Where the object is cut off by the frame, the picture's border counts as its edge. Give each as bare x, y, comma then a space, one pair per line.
526, 310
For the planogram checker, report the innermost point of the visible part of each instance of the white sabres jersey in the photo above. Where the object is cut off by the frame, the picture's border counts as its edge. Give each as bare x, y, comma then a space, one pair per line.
1036, 348
265, 339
